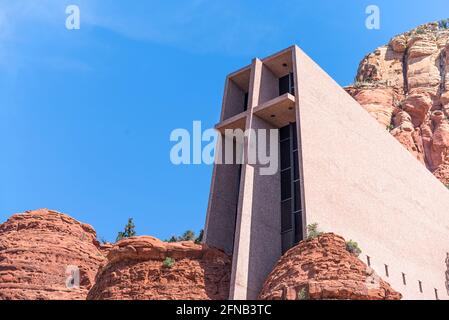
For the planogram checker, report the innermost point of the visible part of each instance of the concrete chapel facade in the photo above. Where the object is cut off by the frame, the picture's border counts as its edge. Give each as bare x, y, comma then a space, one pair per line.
337, 167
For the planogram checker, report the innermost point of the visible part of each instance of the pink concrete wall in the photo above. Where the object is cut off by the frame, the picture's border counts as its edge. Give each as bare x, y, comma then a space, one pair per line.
233, 101
258, 233
362, 184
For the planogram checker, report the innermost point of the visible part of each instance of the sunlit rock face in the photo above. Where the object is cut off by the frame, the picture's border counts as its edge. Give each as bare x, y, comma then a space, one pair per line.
323, 269
145, 268
404, 85
38, 252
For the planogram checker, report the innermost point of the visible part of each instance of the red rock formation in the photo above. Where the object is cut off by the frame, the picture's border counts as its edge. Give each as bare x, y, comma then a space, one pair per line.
136, 271
36, 249
404, 85
322, 268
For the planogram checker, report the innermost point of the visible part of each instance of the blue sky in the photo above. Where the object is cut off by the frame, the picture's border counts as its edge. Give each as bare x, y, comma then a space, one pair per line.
86, 115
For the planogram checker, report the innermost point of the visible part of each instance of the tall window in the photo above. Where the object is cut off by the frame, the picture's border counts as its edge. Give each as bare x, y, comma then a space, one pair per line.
245, 102
287, 85
291, 206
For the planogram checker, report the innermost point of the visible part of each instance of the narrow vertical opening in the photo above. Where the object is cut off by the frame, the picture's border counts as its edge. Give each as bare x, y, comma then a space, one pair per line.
245, 102
420, 287
287, 84
436, 294
368, 261
291, 206
404, 279
387, 272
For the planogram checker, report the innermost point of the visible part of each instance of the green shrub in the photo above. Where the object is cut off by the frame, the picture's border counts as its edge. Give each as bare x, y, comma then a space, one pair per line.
303, 294
130, 231
172, 239
353, 247
443, 24
422, 30
169, 262
189, 235
369, 83
390, 127
199, 239
313, 231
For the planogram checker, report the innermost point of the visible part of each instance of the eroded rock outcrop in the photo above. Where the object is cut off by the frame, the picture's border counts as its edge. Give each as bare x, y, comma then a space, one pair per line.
37, 250
404, 85
136, 271
322, 268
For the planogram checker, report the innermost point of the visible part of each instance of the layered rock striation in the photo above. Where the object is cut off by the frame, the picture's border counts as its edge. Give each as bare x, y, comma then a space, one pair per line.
404, 85
42, 253
322, 268
145, 268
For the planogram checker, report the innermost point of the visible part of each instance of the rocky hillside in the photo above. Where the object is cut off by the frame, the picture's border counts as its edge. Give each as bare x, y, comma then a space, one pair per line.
143, 268
404, 85
322, 268
37, 249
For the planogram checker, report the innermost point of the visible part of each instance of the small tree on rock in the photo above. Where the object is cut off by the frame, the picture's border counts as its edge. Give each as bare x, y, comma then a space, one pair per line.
128, 232
199, 239
313, 231
189, 235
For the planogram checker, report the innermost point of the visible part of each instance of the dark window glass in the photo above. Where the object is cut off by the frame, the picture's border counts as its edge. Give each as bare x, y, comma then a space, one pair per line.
287, 241
285, 154
245, 103
284, 133
287, 84
286, 216
284, 85
298, 227
295, 166
292, 84
291, 205
295, 138
286, 188
297, 195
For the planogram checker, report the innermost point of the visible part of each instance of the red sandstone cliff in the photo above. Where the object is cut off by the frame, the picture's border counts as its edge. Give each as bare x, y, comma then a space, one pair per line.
36, 249
404, 86
136, 271
322, 268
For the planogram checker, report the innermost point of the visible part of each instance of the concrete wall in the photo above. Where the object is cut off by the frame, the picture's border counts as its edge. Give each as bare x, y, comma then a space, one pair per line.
233, 101
258, 233
223, 201
269, 86
362, 184
265, 236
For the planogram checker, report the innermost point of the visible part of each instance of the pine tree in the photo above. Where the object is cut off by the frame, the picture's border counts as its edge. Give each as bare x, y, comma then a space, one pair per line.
172, 239
189, 235
200, 237
129, 230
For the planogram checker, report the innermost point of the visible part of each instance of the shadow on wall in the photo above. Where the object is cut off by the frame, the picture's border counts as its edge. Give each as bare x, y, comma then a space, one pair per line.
447, 273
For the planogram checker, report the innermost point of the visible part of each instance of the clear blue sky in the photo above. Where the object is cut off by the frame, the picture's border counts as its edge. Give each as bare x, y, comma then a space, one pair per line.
85, 115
